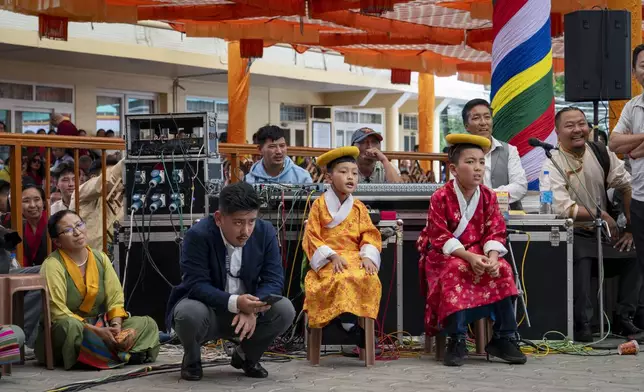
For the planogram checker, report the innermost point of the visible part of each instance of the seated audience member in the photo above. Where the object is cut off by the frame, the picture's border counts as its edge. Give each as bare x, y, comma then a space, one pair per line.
100, 133
275, 165
63, 126
5, 191
84, 164
110, 133
373, 165
343, 247
592, 170
81, 132
87, 306
51, 132
503, 169
62, 156
91, 205
35, 169
65, 182
461, 262
11, 340
229, 262
34, 225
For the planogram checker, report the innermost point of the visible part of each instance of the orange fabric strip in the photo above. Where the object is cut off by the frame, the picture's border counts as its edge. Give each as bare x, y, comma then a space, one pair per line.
88, 287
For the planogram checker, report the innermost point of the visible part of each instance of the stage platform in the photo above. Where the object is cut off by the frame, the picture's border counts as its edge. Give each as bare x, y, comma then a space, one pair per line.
338, 374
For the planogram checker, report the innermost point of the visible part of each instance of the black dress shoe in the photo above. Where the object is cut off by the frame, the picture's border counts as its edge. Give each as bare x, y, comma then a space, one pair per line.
192, 372
252, 370
583, 334
624, 326
506, 349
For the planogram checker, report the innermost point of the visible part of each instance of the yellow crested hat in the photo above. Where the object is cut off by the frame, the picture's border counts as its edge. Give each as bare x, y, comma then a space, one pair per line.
330, 156
464, 138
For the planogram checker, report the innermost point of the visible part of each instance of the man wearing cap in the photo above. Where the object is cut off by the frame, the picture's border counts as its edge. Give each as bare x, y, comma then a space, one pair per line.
503, 170
373, 165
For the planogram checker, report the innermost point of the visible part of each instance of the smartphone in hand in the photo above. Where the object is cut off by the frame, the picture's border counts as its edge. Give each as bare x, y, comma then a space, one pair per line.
271, 299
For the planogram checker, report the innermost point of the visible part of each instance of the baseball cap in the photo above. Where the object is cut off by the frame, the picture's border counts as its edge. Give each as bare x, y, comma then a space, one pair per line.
363, 133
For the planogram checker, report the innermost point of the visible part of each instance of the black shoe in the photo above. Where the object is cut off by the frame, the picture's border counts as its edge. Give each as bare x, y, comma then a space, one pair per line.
624, 326
252, 370
192, 372
506, 349
455, 353
638, 320
583, 334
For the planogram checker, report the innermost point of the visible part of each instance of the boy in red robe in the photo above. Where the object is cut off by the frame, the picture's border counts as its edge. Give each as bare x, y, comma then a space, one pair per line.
461, 258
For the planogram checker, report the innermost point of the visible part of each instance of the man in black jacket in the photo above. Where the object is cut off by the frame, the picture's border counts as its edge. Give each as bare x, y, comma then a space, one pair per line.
229, 261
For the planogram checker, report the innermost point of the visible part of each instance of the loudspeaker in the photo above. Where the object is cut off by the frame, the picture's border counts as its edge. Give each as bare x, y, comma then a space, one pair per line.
597, 55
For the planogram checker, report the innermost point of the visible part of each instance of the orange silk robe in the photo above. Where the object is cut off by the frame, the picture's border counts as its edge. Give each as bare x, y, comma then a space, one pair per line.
345, 229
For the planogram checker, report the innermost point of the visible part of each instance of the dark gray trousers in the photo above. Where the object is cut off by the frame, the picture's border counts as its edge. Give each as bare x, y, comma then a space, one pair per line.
195, 324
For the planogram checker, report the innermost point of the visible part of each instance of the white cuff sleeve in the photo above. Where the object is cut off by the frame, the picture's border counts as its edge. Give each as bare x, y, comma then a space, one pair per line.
232, 304
321, 257
451, 246
494, 245
372, 253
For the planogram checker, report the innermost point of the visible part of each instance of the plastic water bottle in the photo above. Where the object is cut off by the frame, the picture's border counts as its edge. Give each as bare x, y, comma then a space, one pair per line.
545, 193
14, 262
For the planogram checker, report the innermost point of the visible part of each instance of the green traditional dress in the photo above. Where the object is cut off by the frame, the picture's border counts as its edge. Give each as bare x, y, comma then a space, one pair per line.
95, 299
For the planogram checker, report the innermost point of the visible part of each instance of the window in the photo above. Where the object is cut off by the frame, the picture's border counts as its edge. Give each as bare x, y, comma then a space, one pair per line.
196, 104
410, 122
111, 108
5, 117
32, 120
370, 118
343, 137
346, 116
409, 142
27, 107
290, 113
294, 135
16, 91
140, 106
109, 111
54, 94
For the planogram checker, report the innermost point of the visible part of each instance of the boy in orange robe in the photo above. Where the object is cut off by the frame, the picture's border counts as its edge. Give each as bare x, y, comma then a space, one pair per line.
343, 247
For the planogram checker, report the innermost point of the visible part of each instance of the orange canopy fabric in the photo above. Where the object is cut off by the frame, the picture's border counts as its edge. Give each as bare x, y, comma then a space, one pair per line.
443, 37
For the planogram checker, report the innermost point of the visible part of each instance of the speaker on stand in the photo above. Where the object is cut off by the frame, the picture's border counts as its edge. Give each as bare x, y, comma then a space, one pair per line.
597, 57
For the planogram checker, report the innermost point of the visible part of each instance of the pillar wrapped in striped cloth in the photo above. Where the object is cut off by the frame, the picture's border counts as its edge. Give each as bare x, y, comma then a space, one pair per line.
522, 94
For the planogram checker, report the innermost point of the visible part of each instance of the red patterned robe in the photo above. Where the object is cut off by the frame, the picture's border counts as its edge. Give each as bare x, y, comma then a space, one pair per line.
451, 285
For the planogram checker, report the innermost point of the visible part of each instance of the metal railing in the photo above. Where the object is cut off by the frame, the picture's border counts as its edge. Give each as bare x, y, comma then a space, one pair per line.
75, 143
238, 158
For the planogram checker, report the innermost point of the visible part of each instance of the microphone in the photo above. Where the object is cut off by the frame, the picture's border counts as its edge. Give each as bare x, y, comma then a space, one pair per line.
534, 142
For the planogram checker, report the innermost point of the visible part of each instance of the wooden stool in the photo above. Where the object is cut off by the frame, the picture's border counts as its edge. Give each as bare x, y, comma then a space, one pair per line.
314, 343
12, 308
483, 329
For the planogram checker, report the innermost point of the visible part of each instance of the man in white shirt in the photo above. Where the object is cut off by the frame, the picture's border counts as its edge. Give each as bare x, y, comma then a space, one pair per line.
503, 169
65, 182
230, 262
628, 138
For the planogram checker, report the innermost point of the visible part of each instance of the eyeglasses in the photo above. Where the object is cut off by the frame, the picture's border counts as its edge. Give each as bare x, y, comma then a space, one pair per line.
70, 230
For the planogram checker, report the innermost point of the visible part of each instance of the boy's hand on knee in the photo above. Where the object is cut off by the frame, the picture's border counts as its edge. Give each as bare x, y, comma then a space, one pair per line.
369, 266
339, 264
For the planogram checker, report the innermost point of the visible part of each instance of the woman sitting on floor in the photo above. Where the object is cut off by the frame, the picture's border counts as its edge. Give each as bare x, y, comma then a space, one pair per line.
11, 339
87, 307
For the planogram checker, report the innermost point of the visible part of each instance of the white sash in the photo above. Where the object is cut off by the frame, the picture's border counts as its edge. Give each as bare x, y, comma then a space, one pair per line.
467, 210
338, 211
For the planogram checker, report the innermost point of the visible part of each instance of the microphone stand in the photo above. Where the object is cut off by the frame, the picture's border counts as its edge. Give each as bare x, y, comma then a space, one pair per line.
599, 222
